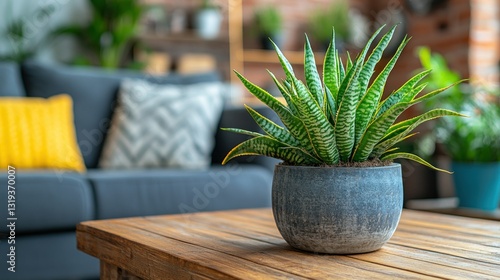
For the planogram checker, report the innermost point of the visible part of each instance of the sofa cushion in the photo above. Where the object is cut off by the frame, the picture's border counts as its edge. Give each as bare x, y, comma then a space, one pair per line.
39, 133
163, 126
48, 201
153, 192
93, 91
10, 80
50, 256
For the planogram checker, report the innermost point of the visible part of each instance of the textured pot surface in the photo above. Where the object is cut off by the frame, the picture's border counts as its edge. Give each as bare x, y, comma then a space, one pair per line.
337, 210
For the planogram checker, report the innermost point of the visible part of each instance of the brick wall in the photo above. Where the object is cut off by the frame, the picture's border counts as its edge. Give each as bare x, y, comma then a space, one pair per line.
445, 30
485, 41
466, 33
295, 13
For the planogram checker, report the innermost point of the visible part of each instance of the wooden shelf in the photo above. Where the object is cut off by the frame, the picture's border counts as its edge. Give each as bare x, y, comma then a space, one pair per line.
179, 45
269, 56
226, 49
186, 37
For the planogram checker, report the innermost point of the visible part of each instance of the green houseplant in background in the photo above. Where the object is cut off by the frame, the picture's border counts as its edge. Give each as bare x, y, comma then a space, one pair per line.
472, 143
337, 15
268, 24
18, 32
337, 190
108, 34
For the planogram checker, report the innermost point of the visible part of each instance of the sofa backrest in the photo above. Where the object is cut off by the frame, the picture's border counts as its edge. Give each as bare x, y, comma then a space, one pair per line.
94, 92
10, 80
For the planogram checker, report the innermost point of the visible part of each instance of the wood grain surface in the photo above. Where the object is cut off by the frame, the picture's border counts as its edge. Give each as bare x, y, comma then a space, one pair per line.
245, 244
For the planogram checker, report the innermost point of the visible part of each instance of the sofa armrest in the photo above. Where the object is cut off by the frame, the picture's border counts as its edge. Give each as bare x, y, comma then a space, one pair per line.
236, 116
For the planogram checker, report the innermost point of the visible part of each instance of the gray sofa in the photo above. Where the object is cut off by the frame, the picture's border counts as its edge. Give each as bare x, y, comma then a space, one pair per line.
49, 204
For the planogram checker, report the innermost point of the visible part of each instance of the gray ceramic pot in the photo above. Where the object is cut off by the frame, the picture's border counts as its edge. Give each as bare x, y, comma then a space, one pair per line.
337, 210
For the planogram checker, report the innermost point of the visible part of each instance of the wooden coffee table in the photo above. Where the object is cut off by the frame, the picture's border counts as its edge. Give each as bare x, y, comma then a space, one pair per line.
245, 244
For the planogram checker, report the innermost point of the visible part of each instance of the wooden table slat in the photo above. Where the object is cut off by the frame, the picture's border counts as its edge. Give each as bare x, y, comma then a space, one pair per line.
449, 247
435, 220
272, 252
437, 258
148, 245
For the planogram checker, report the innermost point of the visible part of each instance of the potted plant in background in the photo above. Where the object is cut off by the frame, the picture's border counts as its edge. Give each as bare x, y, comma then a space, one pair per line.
268, 24
473, 143
108, 34
337, 190
320, 22
24, 43
208, 20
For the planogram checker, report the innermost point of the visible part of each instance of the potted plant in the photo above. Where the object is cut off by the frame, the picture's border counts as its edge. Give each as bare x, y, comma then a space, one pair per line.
208, 20
473, 143
108, 35
20, 34
337, 15
337, 190
268, 24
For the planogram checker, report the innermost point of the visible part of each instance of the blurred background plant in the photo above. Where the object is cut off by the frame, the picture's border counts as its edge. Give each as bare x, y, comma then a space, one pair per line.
268, 23
208, 4
472, 139
24, 40
107, 36
322, 20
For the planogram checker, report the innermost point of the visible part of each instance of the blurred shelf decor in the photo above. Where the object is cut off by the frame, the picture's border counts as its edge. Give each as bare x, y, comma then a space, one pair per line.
198, 36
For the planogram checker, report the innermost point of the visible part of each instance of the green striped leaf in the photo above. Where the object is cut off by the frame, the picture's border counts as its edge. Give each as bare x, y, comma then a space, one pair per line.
341, 71
392, 150
413, 158
367, 106
349, 63
267, 146
332, 106
346, 113
436, 92
375, 56
242, 131
288, 86
400, 96
265, 97
285, 93
294, 124
402, 93
313, 80
416, 91
347, 82
402, 129
376, 130
393, 130
272, 129
285, 64
320, 131
330, 68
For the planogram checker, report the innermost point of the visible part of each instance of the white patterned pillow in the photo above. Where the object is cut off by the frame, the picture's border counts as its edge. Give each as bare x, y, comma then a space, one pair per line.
163, 126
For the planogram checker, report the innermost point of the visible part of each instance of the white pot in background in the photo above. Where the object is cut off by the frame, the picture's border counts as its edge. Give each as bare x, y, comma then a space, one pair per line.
208, 23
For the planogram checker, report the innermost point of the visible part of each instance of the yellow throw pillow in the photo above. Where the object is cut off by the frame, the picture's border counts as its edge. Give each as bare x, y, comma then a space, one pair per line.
39, 133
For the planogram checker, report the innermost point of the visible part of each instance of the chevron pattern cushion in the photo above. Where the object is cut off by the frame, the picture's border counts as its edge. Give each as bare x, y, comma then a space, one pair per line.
163, 126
